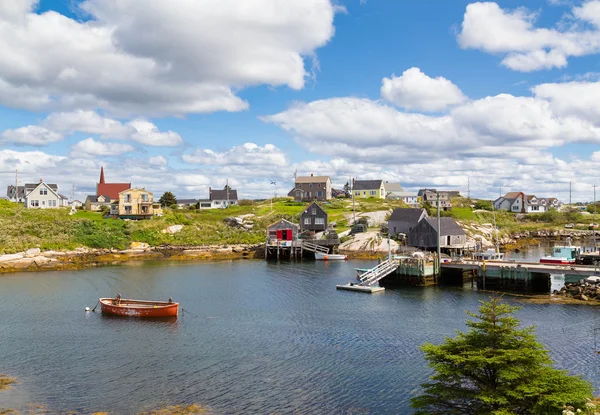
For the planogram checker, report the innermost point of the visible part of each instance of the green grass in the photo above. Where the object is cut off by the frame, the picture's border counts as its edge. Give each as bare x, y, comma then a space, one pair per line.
55, 229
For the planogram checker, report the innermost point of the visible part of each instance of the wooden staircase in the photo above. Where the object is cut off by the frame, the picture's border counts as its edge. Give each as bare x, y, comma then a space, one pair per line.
314, 247
375, 274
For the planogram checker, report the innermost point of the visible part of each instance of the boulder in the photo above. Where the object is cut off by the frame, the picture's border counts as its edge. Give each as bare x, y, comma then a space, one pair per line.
173, 229
584, 297
11, 257
139, 245
576, 290
30, 253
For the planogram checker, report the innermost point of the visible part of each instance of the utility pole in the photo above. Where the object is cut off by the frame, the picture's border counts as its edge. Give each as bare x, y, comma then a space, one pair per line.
227, 189
570, 195
469, 188
593, 229
439, 234
353, 206
17, 185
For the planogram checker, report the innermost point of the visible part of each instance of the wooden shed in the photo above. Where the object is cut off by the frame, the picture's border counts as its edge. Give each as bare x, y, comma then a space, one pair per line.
282, 231
314, 218
424, 235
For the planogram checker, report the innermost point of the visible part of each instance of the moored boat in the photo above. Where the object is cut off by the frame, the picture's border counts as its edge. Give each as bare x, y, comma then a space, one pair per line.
489, 255
138, 308
330, 257
562, 255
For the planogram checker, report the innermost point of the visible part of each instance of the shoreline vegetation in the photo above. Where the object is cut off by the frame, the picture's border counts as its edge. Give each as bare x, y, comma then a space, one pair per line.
51, 239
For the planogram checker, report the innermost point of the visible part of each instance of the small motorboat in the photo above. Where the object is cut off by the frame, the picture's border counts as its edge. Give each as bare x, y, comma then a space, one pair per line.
330, 257
138, 308
563, 255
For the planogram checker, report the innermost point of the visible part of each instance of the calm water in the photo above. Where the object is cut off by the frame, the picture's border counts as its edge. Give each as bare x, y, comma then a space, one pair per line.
258, 338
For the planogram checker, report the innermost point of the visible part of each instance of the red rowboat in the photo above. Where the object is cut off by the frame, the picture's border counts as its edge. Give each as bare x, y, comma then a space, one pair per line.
138, 308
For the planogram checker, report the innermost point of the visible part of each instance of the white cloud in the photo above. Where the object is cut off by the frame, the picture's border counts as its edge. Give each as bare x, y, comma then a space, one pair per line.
246, 154
492, 29
49, 61
91, 147
147, 133
576, 99
416, 91
32, 134
157, 161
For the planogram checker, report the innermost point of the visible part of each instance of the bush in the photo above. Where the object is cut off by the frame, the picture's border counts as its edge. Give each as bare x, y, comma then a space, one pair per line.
483, 205
245, 202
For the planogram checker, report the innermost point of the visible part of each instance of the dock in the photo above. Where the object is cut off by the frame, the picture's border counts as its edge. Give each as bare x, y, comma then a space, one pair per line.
351, 286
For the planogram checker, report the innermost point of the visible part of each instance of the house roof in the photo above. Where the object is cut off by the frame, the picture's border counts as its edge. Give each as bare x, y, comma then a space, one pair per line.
306, 211
529, 197
366, 184
112, 190
312, 179
393, 187
448, 225
404, 194
135, 188
94, 198
512, 195
222, 195
407, 215
282, 220
187, 201
423, 191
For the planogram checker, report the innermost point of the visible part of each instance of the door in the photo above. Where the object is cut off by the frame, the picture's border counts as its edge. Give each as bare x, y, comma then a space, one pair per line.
279, 234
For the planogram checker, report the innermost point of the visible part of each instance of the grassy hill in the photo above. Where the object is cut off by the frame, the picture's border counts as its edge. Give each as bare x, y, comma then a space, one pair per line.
55, 229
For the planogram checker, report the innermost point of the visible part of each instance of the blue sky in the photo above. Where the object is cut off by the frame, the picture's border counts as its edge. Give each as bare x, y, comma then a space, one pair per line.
180, 96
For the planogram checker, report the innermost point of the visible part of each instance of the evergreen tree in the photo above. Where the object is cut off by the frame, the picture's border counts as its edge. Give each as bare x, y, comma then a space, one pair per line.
496, 368
167, 199
347, 189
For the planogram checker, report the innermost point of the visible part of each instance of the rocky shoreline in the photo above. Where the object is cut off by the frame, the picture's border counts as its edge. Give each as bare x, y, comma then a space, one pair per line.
34, 260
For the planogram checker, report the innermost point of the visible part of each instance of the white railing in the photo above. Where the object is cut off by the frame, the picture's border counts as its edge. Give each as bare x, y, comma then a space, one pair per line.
375, 274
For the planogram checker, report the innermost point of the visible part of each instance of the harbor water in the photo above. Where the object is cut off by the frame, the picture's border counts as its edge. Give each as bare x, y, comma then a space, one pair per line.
255, 338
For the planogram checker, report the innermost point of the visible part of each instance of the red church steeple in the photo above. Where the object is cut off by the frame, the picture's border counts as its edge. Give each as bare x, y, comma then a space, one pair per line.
101, 175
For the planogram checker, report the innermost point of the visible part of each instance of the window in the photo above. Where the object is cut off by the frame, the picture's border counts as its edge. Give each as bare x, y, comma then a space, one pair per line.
307, 221
205, 205
217, 202
365, 193
319, 221
52, 203
310, 185
145, 209
43, 203
43, 191
357, 193
373, 192
128, 209
319, 185
35, 203
128, 198
313, 211
144, 197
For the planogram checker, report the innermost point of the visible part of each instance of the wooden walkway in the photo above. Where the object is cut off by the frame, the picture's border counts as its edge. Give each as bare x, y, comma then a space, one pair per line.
535, 267
380, 271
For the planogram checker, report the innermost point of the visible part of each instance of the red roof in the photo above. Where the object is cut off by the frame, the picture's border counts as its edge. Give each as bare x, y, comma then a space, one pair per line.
112, 189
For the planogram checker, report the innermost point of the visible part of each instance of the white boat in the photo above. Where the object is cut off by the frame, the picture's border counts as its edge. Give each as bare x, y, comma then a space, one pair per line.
489, 255
330, 257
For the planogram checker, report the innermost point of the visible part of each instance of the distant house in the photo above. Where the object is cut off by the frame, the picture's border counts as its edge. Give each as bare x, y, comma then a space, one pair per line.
77, 203
223, 198
137, 204
430, 196
395, 192
314, 218
425, 234
282, 232
110, 189
403, 220
512, 202
307, 188
368, 189
187, 203
95, 203
43, 196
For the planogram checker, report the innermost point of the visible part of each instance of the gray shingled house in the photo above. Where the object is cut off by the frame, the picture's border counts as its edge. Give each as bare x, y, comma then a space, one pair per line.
424, 235
314, 218
403, 220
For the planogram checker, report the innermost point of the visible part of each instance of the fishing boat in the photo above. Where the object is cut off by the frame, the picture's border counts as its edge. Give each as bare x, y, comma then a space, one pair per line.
330, 257
138, 308
562, 255
489, 255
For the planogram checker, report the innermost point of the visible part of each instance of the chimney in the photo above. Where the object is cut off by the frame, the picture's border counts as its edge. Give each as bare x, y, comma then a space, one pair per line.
41, 181
311, 175
210, 192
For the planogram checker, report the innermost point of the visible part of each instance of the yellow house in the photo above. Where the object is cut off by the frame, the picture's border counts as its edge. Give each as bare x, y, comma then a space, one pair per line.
369, 189
137, 204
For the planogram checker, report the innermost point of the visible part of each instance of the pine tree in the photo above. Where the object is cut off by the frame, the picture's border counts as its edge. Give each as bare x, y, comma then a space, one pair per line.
167, 199
496, 368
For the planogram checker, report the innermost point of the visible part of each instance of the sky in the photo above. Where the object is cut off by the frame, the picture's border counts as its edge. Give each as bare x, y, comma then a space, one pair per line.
183, 95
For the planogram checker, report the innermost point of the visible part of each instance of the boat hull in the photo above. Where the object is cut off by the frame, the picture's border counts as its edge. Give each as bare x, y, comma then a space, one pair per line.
330, 257
137, 308
552, 260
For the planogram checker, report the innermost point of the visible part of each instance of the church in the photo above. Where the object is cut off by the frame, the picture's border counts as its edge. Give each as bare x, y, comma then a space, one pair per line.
110, 189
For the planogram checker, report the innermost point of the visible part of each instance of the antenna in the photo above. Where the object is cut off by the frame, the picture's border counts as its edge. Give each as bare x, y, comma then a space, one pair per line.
17, 185
570, 195
469, 188
593, 230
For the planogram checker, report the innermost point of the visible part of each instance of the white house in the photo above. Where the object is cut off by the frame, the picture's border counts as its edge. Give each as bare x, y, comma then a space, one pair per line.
44, 196
512, 201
